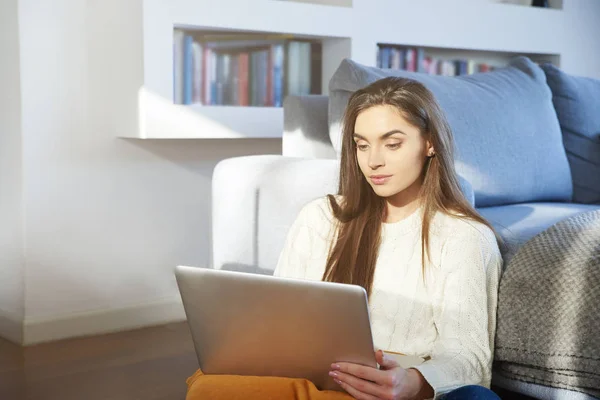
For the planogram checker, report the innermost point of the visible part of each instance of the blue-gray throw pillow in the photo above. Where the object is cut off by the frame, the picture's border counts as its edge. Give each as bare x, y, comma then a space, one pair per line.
509, 143
577, 103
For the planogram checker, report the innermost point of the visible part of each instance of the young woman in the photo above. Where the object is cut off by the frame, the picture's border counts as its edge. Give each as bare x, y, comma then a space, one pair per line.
401, 228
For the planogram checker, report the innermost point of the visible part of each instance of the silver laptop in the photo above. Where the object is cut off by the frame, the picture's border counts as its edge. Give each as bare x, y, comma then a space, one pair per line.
258, 325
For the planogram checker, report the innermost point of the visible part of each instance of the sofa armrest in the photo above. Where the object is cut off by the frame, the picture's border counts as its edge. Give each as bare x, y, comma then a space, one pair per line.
255, 200
305, 127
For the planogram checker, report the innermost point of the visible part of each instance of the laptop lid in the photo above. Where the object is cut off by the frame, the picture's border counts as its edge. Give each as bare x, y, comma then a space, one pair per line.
258, 325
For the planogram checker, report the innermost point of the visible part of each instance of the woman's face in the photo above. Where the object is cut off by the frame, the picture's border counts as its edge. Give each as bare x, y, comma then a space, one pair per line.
391, 153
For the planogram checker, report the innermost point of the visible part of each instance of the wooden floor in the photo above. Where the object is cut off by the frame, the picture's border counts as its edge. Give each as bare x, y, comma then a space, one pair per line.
148, 364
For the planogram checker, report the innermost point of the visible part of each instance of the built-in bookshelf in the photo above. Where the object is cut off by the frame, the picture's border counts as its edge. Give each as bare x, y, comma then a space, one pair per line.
216, 68
223, 69
449, 61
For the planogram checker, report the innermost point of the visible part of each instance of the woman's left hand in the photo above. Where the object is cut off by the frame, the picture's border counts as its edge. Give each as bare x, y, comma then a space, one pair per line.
391, 382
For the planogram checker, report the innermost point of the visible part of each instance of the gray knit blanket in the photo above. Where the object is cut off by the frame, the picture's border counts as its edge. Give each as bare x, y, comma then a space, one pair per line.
548, 325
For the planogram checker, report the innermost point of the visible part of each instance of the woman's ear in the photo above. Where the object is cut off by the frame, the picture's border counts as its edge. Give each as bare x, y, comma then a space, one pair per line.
430, 149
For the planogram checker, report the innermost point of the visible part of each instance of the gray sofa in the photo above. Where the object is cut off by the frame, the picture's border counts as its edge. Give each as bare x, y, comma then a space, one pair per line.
528, 142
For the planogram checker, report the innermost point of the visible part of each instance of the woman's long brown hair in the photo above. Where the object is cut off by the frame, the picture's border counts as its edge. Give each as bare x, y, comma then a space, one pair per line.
361, 213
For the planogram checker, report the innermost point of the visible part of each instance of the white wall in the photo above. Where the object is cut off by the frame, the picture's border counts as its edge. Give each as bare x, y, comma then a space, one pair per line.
108, 219
11, 211
580, 44
573, 32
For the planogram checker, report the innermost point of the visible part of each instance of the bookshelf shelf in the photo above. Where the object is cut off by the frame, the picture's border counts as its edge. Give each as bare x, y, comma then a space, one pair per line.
449, 61
242, 68
161, 120
342, 28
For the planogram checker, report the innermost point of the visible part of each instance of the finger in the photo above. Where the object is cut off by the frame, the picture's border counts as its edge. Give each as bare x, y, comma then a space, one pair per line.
357, 394
362, 385
379, 357
387, 362
361, 371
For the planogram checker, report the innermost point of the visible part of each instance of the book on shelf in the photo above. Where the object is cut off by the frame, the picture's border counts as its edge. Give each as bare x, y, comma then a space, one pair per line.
243, 70
415, 59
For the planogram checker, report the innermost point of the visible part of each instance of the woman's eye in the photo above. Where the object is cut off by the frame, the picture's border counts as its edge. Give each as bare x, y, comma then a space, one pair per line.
361, 147
393, 146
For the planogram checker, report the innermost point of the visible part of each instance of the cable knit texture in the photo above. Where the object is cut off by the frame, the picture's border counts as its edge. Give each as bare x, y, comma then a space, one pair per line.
450, 316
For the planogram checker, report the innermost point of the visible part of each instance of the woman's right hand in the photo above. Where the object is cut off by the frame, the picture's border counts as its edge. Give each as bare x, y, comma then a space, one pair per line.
390, 382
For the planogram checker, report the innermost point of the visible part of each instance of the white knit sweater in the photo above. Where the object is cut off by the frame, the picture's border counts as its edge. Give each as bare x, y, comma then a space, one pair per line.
451, 317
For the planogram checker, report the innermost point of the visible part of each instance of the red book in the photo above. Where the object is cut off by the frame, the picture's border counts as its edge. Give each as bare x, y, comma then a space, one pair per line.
427, 65
243, 79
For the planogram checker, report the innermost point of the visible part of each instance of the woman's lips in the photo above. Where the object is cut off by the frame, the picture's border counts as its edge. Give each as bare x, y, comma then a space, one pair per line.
380, 179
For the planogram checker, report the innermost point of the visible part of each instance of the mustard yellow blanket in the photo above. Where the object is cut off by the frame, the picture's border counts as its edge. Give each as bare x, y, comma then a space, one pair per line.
233, 387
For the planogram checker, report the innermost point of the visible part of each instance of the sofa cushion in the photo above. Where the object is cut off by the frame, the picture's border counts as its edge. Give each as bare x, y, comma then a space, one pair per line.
508, 139
537, 391
517, 223
577, 103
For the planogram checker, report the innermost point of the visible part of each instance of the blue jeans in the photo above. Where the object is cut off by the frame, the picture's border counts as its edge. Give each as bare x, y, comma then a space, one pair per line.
471, 392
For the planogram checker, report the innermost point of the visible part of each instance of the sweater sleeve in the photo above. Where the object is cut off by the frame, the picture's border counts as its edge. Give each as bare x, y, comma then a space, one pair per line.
465, 299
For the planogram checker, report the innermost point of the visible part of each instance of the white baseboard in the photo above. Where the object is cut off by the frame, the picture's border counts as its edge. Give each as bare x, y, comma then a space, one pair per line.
11, 326
103, 321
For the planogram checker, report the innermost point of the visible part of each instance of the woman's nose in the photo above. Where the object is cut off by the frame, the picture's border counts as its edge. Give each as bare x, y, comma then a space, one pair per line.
375, 159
